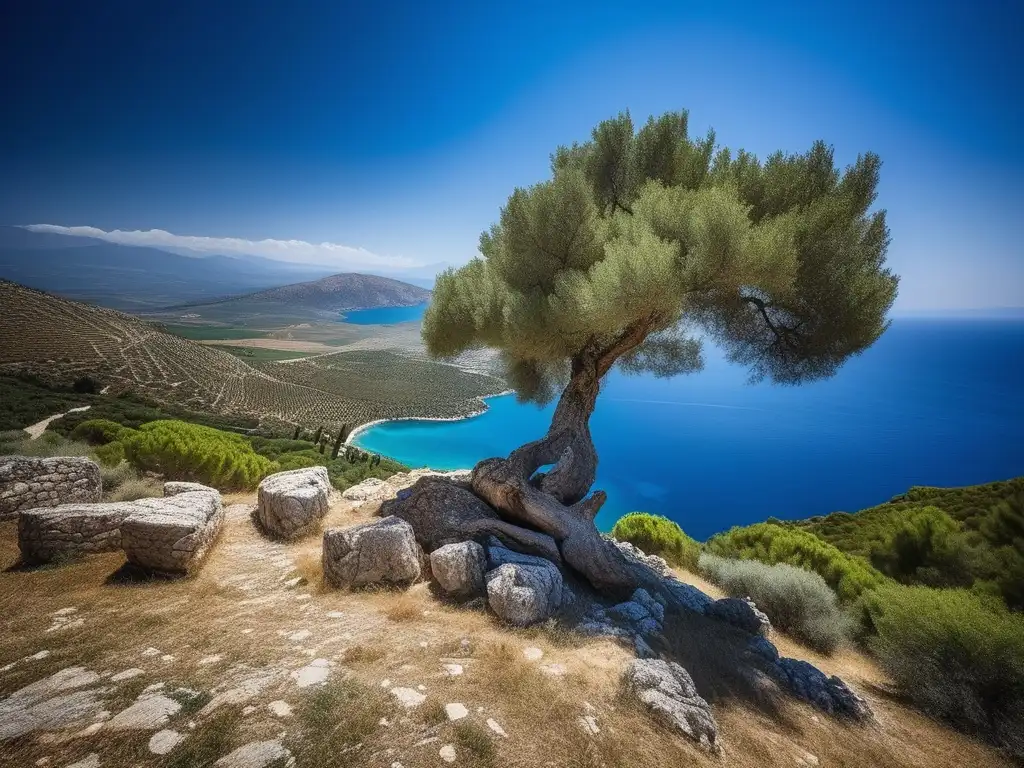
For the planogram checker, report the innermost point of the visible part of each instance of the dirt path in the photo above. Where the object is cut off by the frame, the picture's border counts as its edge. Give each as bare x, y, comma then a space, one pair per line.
37, 429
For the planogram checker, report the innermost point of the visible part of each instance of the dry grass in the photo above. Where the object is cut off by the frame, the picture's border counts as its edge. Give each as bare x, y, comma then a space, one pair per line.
406, 638
404, 607
136, 488
361, 654
338, 723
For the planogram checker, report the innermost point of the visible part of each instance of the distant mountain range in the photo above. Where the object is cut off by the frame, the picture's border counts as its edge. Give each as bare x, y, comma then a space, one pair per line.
338, 293
139, 279
314, 300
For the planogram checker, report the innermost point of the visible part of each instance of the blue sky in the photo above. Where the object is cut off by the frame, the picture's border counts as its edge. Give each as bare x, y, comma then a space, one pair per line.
401, 128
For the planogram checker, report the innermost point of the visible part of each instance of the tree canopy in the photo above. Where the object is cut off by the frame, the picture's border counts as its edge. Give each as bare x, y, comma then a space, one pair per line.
642, 242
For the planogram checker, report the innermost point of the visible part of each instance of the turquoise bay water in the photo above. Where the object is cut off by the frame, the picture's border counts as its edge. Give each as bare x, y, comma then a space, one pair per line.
384, 315
934, 402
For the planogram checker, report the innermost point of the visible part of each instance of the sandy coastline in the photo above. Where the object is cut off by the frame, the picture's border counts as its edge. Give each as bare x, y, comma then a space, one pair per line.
370, 424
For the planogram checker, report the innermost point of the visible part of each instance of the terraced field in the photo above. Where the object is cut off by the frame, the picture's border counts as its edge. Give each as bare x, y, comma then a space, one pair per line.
59, 340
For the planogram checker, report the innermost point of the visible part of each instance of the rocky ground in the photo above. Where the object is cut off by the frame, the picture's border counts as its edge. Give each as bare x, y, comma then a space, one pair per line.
255, 663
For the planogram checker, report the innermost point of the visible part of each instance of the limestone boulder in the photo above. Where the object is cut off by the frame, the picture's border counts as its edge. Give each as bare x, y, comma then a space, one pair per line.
370, 489
291, 504
667, 691
70, 530
174, 487
30, 482
524, 594
375, 489
382, 552
438, 509
172, 534
459, 569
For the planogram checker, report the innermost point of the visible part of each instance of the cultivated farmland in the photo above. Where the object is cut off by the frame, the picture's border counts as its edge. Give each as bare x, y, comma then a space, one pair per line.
58, 340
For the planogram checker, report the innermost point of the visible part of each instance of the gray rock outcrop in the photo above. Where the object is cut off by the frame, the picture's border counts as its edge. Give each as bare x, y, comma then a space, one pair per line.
438, 510
290, 504
524, 594
172, 534
257, 754
29, 482
667, 690
459, 569
636, 555
741, 613
381, 552
64, 699
70, 530
830, 694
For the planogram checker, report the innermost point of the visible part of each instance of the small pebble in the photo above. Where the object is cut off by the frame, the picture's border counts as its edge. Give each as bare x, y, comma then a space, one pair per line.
493, 725
456, 711
280, 708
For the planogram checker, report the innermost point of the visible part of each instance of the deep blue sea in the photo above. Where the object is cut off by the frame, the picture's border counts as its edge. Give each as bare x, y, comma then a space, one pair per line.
384, 315
933, 402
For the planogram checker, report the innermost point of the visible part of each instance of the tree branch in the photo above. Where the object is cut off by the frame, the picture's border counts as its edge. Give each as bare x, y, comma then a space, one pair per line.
588, 508
783, 335
631, 336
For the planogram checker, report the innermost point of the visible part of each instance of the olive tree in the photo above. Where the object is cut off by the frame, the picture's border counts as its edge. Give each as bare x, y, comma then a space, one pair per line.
641, 245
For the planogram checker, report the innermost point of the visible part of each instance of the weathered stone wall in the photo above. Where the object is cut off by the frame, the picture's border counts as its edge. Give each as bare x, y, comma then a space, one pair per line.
174, 533
171, 534
27, 482
45, 534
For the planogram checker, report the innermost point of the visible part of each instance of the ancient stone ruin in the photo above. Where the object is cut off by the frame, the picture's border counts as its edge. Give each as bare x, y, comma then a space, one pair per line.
28, 482
169, 535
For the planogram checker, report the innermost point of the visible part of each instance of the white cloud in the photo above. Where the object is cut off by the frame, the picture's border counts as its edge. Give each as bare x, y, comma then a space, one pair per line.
328, 254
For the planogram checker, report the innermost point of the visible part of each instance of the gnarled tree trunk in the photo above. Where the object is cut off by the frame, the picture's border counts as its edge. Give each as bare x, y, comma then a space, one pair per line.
556, 502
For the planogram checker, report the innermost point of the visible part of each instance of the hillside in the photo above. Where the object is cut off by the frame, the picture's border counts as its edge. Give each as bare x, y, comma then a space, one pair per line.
317, 299
132, 277
257, 649
947, 537
58, 340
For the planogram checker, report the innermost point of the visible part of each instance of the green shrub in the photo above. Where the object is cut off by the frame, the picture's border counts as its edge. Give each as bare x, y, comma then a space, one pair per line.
971, 536
797, 601
274, 448
956, 655
116, 475
97, 431
771, 543
182, 451
300, 460
111, 454
11, 440
27, 402
924, 547
657, 535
